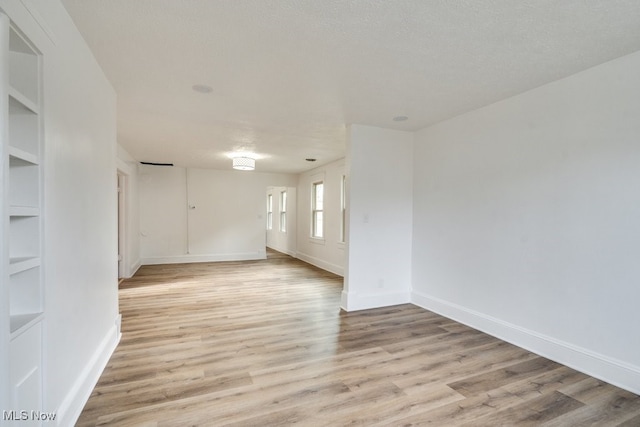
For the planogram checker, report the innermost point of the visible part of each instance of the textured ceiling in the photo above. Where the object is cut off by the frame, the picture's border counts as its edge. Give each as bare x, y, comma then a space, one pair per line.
289, 75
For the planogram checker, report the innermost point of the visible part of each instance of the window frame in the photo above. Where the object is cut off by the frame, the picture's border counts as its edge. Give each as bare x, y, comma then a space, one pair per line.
283, 211
269, 211
315, 212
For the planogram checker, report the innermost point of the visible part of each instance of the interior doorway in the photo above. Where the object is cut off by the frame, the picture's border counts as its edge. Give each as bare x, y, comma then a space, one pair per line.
281, 221
122, 188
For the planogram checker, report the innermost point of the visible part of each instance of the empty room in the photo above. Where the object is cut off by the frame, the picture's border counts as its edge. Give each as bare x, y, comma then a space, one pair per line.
320, 213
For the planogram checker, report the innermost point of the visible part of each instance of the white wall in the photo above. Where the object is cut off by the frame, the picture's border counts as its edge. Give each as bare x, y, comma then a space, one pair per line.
80, 264
128, 167
226, 220
379, 177
283, 241
327, 253
163, 212
527, 220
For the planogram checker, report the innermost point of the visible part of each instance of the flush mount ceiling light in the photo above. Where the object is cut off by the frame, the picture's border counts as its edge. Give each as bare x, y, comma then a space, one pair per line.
244, 163
400, 118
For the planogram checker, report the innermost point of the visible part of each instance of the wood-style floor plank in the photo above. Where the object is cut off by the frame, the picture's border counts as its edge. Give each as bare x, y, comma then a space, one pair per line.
264, 343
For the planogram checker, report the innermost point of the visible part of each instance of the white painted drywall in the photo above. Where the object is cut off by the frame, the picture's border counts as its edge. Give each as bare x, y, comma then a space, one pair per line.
283, 241
379, 177
163, 212
190, 215
327, 253
127, 166
527, 220
80, 224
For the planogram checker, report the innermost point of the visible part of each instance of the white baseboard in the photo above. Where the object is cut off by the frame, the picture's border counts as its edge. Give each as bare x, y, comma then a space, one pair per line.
119, 325
616, 372
352, 301
282, 250
134, 269
180, 259
69, 410
333, 268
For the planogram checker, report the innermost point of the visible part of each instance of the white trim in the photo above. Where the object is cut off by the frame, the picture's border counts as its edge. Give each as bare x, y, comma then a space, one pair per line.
270, 211
179, 259
69, 410
124, 167
608, 369
42, 23
352, 301
344, 300
122, 192
133, 270
282, 211
282, 250
333, 268
119, 324
314, 211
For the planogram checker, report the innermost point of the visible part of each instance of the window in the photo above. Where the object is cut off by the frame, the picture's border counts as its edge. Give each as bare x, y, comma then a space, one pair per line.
283, 211
269, 211
317, 195
343, 209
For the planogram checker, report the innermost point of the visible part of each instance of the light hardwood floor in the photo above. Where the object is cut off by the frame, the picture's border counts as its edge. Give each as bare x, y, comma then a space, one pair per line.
264, 343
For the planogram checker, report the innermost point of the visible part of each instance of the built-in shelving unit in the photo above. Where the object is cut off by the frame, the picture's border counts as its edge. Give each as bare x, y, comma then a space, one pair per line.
25, 231
22, 209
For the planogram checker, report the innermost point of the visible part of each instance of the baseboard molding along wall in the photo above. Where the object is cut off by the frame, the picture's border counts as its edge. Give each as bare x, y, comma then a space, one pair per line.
612, 371
283, 250
352, 301
332, 268
71, 407
185, 259
133, 269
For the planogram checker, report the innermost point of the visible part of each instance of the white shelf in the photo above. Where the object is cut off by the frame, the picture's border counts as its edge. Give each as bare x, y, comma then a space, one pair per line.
25, 156
21, 322
24, 237
20, 104
24, 127
16, 211
24, 183
19, 264
21, 284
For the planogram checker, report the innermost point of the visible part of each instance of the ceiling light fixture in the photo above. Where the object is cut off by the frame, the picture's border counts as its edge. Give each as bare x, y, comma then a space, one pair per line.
244, 163
400, 118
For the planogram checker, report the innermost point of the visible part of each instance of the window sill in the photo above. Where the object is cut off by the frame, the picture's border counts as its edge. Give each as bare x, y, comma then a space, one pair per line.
317, 241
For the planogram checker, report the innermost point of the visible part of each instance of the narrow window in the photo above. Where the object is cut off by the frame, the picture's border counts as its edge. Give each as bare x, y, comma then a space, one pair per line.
269, 211
283, 211
343, 209
317, 218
